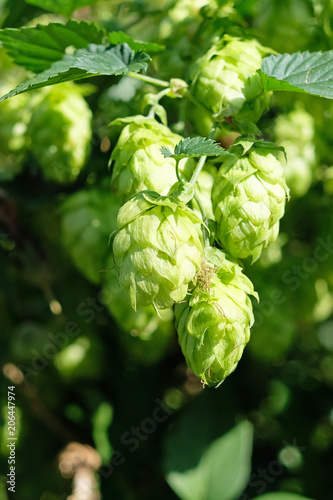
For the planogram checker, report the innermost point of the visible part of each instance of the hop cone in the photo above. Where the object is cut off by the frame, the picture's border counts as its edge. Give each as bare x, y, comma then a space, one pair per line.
249, 196
138, 161
88, 219
144, 334
214, 324
14, 119
60, 133
157, 249
225, 82
295, 132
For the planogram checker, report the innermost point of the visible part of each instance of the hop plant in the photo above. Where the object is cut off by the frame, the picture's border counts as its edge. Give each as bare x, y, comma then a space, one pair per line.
225, 81
249, 196
214, 323
138, 162
295, 132
88, 218
157, 249
60, 133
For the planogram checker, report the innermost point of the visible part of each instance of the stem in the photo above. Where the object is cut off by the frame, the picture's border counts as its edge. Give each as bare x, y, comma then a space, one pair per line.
157, 97
162, 93
202, 160
177, 171
197, 170
149, 79
204, 219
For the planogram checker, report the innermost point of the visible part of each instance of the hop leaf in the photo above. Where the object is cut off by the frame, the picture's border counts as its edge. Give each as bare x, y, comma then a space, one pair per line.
196, 146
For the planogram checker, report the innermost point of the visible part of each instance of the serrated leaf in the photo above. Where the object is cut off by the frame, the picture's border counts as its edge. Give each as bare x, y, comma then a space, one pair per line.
121, 37
309, 72
83, 63
166, 152
37, 48
64, 7
196, 146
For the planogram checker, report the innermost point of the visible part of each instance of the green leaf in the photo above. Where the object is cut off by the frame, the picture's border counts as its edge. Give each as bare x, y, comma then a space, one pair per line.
223, 470
281, 496
83, 63
64, 7
166, 152
121, 37
37, 48
305, 72
196, 146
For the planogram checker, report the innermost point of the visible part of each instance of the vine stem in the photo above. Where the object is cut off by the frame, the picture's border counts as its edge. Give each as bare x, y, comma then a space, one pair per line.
177, 171
149, 79
202, 160
157, 98
204, 219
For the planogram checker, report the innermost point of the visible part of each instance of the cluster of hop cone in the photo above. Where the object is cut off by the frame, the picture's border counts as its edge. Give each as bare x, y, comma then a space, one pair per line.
161, 255
177, 256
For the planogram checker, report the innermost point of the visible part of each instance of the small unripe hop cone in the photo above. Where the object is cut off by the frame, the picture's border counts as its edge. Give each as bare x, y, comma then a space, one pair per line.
214, 323
249, 196
157, 249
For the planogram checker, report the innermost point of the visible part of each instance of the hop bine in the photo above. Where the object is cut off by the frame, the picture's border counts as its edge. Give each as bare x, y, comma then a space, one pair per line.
214, 323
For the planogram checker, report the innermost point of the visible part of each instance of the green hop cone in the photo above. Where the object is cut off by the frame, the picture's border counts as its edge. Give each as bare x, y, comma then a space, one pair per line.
60, 133
249, 196
138, 163
143, 333
88, 219
225, 79
214, 323
295, 132
157, 249
14, 119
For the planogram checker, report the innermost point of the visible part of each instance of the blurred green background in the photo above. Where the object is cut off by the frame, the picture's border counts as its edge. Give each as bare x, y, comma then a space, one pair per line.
85, 369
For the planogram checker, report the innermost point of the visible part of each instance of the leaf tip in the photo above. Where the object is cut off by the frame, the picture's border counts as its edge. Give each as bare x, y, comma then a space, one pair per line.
166, 152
